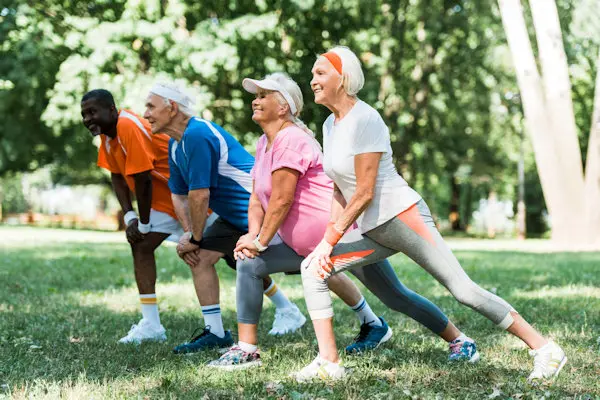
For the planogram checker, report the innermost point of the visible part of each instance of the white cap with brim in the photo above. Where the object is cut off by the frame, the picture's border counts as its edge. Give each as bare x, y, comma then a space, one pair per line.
175, 94
252, 86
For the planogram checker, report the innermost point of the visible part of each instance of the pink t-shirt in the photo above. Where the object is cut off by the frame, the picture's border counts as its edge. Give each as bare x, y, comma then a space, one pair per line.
305, 224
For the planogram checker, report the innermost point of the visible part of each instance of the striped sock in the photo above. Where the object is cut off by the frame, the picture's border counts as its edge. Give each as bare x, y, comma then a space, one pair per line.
150, 308
277, 296
365, 314
213, 319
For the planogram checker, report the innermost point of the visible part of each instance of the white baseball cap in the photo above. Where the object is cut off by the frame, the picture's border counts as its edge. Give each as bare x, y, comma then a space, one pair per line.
252, 86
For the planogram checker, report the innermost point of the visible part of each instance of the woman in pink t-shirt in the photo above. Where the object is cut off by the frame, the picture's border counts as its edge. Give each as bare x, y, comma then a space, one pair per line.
288, 214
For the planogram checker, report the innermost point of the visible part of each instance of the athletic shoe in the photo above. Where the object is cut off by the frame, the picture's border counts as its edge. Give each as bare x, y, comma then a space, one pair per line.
144, 331
547, 362
320, 369
370, 337
463, 350
205, 340
235, 359
287, 320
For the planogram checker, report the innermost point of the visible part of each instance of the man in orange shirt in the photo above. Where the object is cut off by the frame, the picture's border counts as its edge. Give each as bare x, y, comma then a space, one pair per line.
139, 163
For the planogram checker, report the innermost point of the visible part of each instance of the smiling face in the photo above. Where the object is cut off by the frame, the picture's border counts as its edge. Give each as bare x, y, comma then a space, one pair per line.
98, 118
266, 108
325, 82
158, 112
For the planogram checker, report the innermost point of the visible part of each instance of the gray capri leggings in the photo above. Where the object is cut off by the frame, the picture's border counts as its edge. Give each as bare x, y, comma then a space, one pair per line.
379, 278
413, 233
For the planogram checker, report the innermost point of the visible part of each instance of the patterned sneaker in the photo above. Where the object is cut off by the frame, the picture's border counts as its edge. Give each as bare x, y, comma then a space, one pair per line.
144, 331
287, 320
206, 340
463, 350
547, 362
320, 369
236, 358
370, 337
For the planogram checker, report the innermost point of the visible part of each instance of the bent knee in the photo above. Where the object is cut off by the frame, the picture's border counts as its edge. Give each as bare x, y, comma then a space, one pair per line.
468, 294
251, 266
143, 247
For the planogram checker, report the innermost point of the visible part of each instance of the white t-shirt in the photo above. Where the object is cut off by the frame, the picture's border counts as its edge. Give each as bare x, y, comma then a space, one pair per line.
362, 130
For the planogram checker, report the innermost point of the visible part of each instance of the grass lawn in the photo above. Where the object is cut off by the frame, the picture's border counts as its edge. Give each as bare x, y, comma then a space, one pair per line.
66, 297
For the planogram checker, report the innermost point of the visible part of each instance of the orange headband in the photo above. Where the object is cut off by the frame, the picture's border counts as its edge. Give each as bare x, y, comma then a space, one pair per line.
335, 60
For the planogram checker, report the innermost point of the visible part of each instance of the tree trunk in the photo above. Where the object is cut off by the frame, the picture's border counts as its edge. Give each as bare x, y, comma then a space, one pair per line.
551, 152
454, 216
521, 209
592, 169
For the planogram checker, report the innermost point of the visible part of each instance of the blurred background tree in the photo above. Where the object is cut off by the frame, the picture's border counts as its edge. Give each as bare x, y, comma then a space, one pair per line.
439, 71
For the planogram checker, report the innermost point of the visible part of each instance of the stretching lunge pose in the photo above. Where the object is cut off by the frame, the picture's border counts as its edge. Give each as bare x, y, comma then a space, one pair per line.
209, 168
138, 163
288, 213
391, 216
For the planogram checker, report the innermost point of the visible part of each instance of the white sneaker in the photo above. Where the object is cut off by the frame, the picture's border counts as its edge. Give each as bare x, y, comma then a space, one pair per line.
547, 362
320, 369
144, 330
287, 320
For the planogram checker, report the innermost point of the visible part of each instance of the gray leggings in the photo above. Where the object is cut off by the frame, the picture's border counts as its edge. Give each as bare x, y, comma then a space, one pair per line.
379, 278
413, 233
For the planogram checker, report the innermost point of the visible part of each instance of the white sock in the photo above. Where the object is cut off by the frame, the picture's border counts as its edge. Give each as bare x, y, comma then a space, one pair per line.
247, 347
212, 319
150, 308
365, 314
277, 296
463, 338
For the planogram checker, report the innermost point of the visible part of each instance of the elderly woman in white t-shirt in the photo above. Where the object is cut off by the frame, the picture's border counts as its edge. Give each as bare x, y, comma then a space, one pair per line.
392, 218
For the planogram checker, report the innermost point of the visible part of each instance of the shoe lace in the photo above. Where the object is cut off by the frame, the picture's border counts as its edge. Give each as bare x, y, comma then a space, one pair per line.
205, 331
363, 334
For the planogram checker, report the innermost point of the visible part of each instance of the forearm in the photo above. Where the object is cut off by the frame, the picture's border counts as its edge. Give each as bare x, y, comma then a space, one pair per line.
143, 194
338, 203
198, 205
277, 211
182, 210
256, 215
122, 192
357, 205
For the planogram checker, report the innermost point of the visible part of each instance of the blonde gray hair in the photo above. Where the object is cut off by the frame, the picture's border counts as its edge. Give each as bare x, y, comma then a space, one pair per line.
353, 78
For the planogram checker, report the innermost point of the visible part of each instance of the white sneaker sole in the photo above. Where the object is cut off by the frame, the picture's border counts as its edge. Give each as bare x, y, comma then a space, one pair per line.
475, 358
159, 339
388, 336
238, 367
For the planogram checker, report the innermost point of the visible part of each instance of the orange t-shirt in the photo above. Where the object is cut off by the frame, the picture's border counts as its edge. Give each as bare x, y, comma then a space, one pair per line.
135, 149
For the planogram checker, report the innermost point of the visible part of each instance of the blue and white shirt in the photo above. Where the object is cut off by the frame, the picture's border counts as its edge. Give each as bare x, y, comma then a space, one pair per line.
209, 157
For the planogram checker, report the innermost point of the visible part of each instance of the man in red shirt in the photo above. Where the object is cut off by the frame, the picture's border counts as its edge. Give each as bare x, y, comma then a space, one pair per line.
138, 162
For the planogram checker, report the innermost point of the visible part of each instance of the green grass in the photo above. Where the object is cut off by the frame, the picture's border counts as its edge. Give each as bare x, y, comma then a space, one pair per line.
66, 297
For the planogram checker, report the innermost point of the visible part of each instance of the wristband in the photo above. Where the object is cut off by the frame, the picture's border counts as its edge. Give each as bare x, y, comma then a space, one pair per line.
129, 216
259, 245
332, 235
144, 228
194, 241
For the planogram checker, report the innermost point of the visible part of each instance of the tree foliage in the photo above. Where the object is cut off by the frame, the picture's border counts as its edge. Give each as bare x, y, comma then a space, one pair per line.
437, 70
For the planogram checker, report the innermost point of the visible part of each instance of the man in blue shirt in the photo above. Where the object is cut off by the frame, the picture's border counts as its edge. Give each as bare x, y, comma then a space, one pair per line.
209, 170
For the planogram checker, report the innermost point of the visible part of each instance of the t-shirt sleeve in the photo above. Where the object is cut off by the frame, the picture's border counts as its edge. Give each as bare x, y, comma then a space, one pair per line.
202, 151
293, 151
139, 154
260, 149
103, 159
372, 136
177, 184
